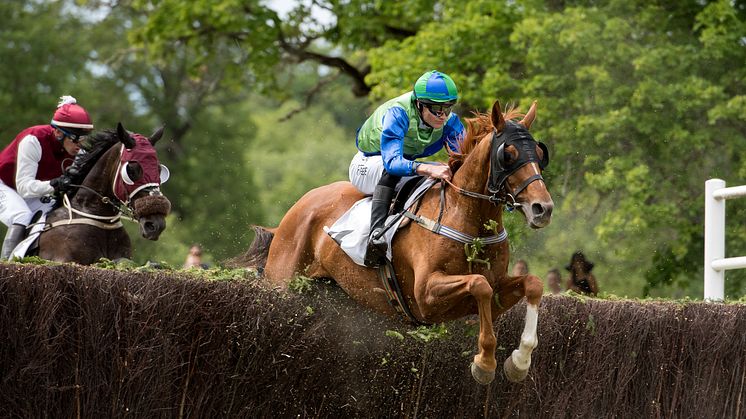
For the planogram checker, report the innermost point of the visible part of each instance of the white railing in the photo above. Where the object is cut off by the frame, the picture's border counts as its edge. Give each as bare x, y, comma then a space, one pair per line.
715, 261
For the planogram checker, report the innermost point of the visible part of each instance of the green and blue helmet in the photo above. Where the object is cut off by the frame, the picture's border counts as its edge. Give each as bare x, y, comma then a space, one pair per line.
435, 87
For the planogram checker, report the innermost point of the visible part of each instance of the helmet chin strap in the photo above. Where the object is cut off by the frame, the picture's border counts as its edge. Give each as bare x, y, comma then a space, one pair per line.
421, 109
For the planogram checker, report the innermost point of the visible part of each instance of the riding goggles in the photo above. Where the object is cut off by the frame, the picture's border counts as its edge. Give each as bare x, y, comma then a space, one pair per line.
75, 138
439, 109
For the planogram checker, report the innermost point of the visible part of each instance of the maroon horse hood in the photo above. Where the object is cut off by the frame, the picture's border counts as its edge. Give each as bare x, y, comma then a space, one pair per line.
143, 153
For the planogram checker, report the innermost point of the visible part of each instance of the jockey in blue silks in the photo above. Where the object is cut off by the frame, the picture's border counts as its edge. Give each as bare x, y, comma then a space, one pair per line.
416, 124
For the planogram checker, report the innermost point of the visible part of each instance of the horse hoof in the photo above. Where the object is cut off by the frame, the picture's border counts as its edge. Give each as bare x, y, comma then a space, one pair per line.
483, 377
513, 373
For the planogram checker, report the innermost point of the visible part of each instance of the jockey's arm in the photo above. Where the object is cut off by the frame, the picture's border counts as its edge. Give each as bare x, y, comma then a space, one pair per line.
395, 126
29, 155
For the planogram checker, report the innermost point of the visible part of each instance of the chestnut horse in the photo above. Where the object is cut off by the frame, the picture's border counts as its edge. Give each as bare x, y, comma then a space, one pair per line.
121, 175
438, 282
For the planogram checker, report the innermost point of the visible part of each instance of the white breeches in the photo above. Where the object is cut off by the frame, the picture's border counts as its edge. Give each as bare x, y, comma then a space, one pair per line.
365, 172
16, 210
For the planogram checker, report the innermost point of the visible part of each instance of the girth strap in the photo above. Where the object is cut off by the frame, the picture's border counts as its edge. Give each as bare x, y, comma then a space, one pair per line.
394, 296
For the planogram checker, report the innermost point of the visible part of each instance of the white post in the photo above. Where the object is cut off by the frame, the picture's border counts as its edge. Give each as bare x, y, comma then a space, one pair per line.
714, 240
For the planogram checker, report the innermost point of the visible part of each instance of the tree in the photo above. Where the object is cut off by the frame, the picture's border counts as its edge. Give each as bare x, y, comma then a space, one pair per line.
641, 103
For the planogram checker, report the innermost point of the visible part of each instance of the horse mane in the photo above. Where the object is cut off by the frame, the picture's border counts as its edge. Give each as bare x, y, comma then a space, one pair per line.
95, 147
477, 127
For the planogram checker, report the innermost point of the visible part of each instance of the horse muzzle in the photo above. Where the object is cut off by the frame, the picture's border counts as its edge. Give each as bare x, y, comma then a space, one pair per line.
151, 213
152, 226
538, 214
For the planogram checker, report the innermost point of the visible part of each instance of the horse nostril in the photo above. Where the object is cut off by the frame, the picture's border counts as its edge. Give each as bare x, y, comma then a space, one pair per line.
149, 226
537, 209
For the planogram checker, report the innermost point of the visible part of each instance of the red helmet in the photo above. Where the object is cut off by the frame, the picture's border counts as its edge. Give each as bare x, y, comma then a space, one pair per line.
71, 115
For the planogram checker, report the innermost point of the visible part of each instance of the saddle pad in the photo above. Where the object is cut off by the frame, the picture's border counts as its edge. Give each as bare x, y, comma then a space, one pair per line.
352, 229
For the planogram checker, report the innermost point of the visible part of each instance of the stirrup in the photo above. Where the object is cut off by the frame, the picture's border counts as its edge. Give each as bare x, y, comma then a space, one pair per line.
375, 253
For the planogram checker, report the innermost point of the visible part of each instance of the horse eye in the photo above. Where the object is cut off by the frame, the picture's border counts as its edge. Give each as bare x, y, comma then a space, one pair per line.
509, 157
134, 171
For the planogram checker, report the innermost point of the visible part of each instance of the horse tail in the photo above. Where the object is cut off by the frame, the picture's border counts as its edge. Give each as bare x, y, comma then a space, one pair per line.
256, 256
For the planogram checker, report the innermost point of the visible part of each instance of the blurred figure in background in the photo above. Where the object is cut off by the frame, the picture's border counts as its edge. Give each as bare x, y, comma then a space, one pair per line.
520, 267
194, 258
581, 279
554, 281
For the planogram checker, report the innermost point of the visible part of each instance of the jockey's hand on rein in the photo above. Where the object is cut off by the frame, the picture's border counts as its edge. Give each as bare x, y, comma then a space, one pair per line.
438, 171
60, 184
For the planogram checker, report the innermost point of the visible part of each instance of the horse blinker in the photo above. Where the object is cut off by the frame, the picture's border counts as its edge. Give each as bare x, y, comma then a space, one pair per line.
502, 167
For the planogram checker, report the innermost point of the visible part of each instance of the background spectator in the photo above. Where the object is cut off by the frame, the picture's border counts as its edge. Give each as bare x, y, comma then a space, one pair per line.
520, 267
554, 281
194, 258
581, 279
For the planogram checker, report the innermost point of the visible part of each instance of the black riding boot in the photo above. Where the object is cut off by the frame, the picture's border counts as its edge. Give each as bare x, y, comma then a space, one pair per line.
15, 234
377, 245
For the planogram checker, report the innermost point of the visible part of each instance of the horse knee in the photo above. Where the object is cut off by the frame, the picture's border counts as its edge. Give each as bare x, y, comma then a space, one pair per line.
480, 288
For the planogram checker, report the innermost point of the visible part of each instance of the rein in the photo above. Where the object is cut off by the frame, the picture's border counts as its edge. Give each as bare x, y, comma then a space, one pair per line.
105, 222
494, 199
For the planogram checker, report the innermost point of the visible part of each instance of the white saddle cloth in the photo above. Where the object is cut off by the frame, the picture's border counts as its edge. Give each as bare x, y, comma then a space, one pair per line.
352, 229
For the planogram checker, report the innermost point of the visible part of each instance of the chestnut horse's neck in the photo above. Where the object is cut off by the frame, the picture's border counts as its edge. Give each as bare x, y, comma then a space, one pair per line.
472, 176
98, 185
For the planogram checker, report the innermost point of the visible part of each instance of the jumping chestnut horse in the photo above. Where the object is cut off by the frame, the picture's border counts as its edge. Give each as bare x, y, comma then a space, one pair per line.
121, 175
499, 164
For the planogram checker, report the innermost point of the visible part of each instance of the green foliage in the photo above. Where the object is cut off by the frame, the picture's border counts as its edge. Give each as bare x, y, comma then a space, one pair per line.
290, 158
44, 56
428, 333
32, 260
473, 250
394, 334
639, 104
301, 284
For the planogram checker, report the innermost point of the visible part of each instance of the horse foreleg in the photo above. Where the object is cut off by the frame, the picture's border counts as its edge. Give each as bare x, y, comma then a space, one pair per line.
517, 364
443, 292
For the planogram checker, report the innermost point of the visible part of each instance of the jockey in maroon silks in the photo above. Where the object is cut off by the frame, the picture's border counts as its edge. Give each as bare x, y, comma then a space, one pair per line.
32, 166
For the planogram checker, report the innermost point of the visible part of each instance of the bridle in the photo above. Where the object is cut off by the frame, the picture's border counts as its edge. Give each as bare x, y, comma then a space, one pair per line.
123, 207
518, 136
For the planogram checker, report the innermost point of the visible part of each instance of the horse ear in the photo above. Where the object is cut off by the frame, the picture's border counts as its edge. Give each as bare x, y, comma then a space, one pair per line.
124, 137
530, 116
498, 120
157, 135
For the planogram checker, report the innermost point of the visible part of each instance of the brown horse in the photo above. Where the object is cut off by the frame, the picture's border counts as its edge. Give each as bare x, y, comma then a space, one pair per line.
438, 282
117, 180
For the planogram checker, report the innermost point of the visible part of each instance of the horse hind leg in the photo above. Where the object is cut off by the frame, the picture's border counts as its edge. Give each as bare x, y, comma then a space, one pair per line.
517, 364
256, 256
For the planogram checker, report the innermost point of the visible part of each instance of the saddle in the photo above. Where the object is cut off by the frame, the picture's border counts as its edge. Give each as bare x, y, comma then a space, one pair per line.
352, 229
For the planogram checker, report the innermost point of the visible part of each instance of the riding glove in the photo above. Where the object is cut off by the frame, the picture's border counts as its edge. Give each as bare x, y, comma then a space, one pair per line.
60, 184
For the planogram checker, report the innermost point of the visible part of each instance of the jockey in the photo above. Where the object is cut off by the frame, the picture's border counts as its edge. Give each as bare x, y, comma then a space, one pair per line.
416, 124
31, 167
